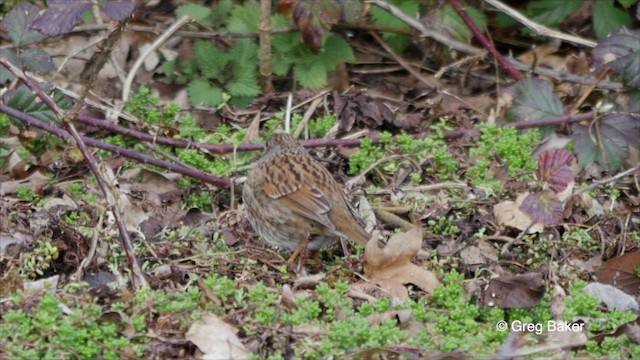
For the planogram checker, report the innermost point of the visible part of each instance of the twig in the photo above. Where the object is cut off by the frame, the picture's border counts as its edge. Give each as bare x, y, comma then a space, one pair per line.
612, 179
265, 47
408, 189
197, 174
434, 84
483, 40
468, 49
539, 28
126, 88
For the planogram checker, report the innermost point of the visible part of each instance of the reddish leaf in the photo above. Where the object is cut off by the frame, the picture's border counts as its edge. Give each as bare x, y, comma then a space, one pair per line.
61, 16
316, 17
119, 10
621, 52
621, 272
519, 291
543, 208
553, 168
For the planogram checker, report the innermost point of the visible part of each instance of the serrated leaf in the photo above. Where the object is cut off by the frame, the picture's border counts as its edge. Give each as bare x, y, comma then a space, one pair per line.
543, 208
119, 10
11, 56
37, 60
534, 99
245, 18
621, 51
245, 53
24, 100
315, 18
222, 12
608, 19
17, 23
610, 146
60, 17
210, 60
554, 169
551, 12
335, 51
382, 17
201, 92
198, 12
310, 76
449, 21
244, 83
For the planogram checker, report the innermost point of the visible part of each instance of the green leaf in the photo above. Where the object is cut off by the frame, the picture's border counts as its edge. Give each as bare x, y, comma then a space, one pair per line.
534, 99
17, 23
245, 53
608, 19
310, 76
245, 18
627, 3
607, 144
13, 58
201, 92
336, 50
199, 13
221, 12
210, 60
37, 60
552, 12
245, 82
449, 20
24, 100
283, 47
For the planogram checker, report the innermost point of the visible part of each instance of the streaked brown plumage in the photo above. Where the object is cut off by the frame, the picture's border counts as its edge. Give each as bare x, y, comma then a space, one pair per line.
291, 198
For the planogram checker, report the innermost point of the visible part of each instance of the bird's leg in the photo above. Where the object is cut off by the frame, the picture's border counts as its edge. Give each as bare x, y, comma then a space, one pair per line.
302, 248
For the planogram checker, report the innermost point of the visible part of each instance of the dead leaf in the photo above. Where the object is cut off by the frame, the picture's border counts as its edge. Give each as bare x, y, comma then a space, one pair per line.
514, 292
287, 299
480, 254
391, 267
621, 272
508, 213
216, 339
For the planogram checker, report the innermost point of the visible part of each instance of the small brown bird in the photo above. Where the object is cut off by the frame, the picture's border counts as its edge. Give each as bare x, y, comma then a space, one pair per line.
293, 202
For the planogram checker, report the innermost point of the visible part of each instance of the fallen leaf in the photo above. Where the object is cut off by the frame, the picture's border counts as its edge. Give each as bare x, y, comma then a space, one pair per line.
391, 267
216, 339
508, 213
621, 272
514, 292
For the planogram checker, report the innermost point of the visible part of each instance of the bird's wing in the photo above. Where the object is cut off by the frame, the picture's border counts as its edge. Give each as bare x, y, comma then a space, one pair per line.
291, 179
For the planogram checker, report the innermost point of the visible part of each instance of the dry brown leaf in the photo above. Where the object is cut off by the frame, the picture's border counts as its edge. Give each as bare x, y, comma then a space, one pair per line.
391, 267
508, 213
216, 339
621, 272
515, 292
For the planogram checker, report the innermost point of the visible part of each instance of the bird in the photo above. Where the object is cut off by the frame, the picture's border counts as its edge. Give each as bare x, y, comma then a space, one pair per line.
294, 203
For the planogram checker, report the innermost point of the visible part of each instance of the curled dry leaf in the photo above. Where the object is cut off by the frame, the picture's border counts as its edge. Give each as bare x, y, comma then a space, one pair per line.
287, 299
508, 213
391, 267
216, 339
